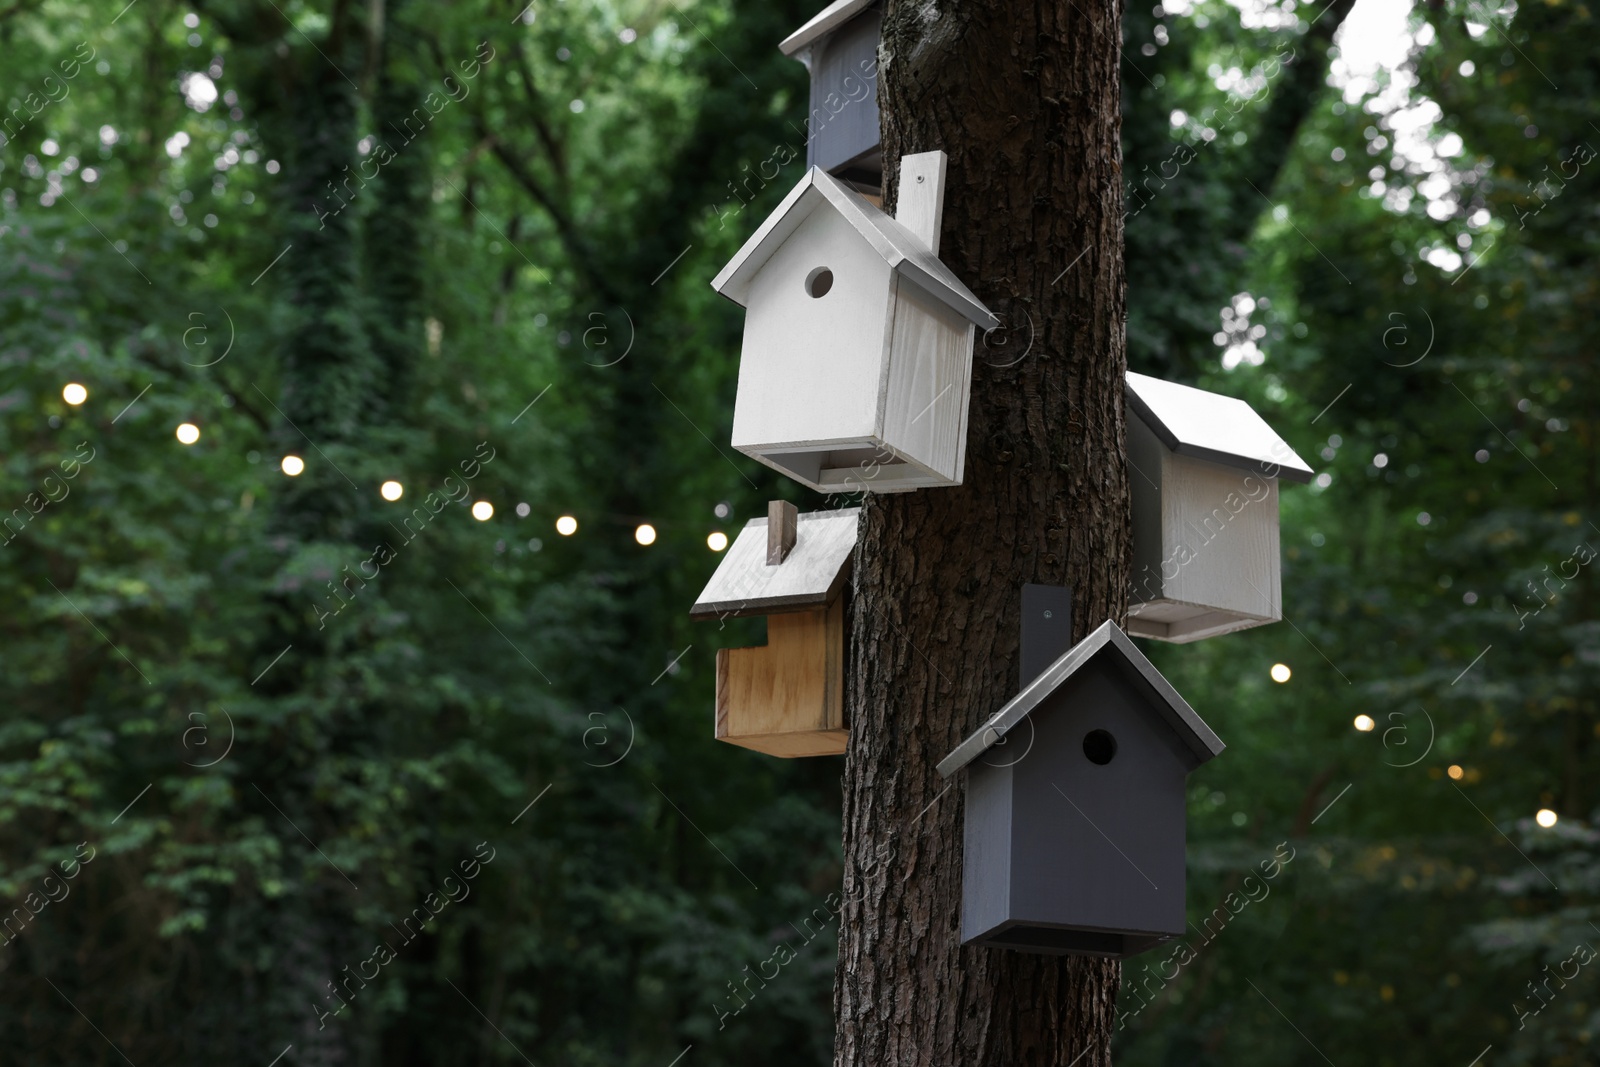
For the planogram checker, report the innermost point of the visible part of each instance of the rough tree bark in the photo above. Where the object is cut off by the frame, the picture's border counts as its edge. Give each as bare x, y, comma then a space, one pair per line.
1024, 99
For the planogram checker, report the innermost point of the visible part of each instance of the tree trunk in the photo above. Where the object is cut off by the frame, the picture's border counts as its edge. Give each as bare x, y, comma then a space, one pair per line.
1024, 99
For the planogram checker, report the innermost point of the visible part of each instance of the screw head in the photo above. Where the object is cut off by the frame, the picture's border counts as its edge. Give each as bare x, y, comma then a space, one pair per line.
1047, 615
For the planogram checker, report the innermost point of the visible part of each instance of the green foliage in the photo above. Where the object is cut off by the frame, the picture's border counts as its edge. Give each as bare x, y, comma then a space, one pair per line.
282, 712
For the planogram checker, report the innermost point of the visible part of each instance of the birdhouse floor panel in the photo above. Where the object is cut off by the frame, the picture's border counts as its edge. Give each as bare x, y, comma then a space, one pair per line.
865, 465
794, 745
1179, 623
1068, 941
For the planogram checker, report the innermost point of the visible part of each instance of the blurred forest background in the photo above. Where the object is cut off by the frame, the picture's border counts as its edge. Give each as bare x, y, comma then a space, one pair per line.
372, 235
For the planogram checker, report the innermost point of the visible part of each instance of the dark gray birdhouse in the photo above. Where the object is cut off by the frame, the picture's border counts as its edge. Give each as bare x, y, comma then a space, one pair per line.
840, 49
1074, 838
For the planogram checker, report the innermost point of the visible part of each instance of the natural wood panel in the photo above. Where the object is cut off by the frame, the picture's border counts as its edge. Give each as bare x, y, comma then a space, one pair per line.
785, 698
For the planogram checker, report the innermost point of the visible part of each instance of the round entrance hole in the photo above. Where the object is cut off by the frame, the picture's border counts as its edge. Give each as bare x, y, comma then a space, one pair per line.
1099, 746
819, 281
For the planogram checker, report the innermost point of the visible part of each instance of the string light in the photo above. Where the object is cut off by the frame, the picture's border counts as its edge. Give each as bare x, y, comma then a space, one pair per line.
1456, 772
392, 490
645, 534
293, 465
1280, 672
566, 526
188, 433
1546, 818
74, 394
483, 511
717, 541
1365, 723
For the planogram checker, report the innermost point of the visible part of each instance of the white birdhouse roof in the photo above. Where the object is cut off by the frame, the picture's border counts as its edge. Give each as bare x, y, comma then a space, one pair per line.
1110, 641
811, 576
828, 19
899, 247
1222, 429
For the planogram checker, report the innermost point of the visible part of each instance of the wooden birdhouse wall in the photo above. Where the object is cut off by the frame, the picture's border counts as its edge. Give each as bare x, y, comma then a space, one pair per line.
1205, 543
1072, 856
786, 698
844, 102
923, 407
810, 366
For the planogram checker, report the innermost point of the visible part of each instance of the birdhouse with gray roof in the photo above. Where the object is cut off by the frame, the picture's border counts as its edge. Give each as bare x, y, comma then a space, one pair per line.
1074, 837
785, 698
1203, 471
856, 363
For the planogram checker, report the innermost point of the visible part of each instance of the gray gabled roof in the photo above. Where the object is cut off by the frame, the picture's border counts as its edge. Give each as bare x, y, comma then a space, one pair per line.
899, 247
828, 19
1107, 640
1222, 429
745, 584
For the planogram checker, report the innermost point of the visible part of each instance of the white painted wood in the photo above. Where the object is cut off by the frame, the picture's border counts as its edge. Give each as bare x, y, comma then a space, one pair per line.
827, 20
744, 584
921, 205
1211, 426
1205, 554
866, 387
926, 393
810, 367
898, 247
1224, 523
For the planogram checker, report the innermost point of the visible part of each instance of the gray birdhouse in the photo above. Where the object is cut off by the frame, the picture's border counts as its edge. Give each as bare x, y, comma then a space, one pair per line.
1204, 473
785, 698
840, 49
1074, 838
856, 364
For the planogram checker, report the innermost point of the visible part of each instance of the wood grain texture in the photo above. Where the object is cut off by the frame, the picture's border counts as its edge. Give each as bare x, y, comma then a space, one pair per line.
814, 573
921, 207
782, 518
1023, 98
843, 121
786, 698
1206, 552
809, 366
927, 382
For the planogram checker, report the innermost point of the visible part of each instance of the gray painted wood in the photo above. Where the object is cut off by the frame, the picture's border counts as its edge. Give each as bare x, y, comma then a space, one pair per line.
1110, 643
812, 576
1046, 628
1063, 854
842, 125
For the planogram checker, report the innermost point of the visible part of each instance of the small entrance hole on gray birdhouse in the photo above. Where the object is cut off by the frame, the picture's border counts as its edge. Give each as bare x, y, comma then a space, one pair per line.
785, 698
1203, 473
840, 49
1074, 836
856, 364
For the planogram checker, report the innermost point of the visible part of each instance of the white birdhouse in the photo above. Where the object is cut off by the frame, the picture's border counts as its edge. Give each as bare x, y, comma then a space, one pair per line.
1204, 472
857, 357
